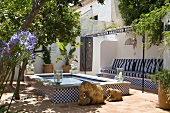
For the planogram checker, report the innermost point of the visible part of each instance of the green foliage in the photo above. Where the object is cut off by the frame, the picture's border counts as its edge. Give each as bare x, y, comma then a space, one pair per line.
46, 55
68, 54
163, 76
12, 15
3, 108
146, 18
151, 24
167, 34
55, 21
132, 9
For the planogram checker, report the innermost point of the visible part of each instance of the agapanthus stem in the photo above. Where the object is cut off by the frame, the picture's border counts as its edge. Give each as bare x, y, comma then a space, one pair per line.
5, 81
16, 91
12, 78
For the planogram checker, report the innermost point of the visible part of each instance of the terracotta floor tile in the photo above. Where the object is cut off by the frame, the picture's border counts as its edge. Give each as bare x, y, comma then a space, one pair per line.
136, 102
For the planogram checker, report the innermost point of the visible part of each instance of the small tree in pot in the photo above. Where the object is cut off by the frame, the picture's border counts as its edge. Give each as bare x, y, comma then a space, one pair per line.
162, 77
47, 66
67, 54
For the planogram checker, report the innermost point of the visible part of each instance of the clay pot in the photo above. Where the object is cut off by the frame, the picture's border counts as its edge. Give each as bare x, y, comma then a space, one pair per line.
48, 68
164, 103
66, 68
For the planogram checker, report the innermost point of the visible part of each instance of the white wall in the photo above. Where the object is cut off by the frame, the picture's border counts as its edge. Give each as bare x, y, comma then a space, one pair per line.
103, 11
108, 53
167, 51
127, 51
109, 44
38, 64
55, 53
105, 48
115, 15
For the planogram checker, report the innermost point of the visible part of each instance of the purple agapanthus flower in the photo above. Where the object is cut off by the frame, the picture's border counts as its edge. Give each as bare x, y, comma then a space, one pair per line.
4, 47
14, 39
33, 56
25, 39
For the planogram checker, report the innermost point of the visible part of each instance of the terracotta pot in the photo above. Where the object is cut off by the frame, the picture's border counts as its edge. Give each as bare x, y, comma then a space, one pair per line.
48, 68
164, 103
66, 68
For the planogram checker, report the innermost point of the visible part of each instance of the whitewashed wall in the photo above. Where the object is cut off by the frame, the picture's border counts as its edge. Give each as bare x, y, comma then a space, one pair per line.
55, 53
103, 11
108, 50
100, 53
167, 51
105, 48
115, 15
127, 51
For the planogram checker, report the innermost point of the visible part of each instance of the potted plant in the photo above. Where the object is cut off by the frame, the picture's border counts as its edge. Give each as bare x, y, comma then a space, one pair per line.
47, 66
67, 54
162, 77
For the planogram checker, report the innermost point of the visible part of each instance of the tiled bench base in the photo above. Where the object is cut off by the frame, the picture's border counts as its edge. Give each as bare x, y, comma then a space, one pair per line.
135, 81
138, 82
70, 93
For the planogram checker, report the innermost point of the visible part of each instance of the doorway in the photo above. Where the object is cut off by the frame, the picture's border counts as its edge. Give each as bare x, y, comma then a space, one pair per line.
86, 54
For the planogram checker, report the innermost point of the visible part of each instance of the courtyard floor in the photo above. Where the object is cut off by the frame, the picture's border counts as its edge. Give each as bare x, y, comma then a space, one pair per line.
136, 102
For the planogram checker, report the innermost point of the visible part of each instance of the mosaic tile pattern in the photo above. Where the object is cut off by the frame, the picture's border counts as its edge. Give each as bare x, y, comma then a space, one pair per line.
138, 82
122, 87
69, 94
135, 81
65, 95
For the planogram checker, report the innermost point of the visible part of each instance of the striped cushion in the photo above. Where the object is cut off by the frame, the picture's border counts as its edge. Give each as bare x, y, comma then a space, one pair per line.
121, 63
134, 74
151, 67
118, 63
139, 65
157, 63
148, 65
135, 66
108, 70
128, 65
115, 63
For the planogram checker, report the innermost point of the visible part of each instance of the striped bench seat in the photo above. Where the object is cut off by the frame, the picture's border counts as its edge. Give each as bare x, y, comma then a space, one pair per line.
133, 68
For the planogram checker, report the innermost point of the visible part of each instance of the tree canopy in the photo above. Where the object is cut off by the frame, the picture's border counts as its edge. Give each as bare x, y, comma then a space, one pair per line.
146, 17
12, 15
55, 21
132, 9
18, 15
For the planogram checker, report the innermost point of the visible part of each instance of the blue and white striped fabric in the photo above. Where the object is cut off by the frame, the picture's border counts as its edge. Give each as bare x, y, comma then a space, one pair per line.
115, 63
148, 66
128, 64
151, 65
121, 63
157, 63
139, 65
118, 63
133, 69
134, 74
108, 70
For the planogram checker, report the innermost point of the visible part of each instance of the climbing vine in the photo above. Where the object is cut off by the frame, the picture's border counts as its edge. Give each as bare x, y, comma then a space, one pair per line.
132, 9
146, 18
167, 34
151, 24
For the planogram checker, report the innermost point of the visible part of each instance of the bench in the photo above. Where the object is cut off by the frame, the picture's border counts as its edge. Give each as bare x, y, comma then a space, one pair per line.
133, 70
